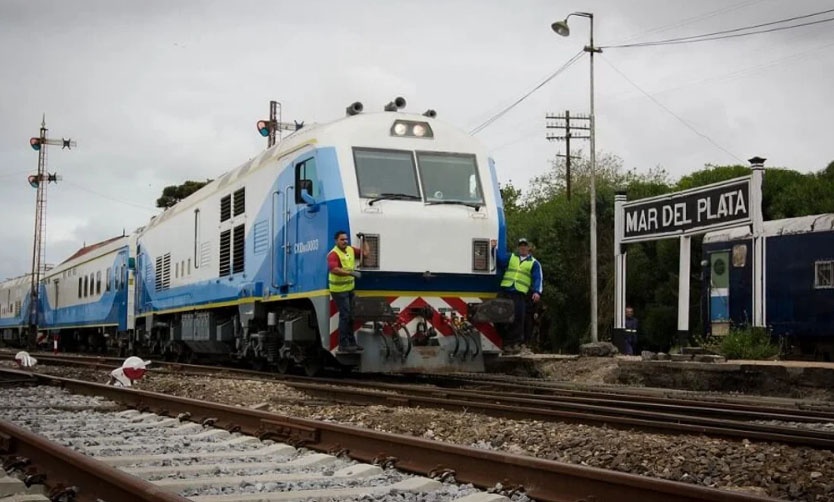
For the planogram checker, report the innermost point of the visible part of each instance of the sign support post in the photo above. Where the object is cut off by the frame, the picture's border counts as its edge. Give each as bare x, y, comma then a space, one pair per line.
759, 317
684, 261
619, 263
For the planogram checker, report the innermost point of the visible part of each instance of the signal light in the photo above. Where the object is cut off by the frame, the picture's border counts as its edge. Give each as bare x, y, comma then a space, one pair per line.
35, 143
264, 127
33, 180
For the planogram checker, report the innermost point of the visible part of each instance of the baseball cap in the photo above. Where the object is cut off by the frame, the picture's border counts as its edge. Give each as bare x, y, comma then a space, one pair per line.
523, 240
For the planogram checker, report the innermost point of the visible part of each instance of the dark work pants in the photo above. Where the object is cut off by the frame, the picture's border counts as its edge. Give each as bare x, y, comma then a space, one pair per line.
515, 333
344, 301
630, 343
529, 318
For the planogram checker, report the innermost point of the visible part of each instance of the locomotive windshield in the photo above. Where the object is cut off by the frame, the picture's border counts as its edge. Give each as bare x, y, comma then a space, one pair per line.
380, 172
446, 178
450, 177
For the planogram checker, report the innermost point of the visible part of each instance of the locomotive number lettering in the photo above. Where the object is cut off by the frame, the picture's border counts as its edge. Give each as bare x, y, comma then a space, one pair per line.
306, 247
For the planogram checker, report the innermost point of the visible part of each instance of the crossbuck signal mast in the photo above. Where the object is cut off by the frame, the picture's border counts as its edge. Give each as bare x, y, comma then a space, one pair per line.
39, 182
564, 122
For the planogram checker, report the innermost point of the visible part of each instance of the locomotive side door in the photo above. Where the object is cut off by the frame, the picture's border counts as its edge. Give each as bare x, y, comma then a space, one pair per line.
279, 240
719, 292
302, 201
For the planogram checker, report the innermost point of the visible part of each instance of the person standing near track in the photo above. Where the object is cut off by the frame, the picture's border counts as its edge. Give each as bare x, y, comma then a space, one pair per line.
522, 277
341, 280
631, 325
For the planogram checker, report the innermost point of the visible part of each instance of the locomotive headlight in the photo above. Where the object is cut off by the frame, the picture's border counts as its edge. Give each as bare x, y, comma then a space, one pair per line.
411, 128
400, 129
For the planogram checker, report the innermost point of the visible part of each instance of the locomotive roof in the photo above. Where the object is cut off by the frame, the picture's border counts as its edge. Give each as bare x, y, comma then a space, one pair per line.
772, 228
345, 128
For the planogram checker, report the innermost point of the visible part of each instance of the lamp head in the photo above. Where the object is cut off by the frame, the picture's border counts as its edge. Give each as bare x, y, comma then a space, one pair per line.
561, 27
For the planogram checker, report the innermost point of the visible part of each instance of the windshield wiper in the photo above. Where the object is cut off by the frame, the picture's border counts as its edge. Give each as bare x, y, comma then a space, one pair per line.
473, 205
394, 196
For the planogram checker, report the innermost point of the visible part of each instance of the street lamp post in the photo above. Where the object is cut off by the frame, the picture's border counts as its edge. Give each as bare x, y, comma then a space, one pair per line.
561, 27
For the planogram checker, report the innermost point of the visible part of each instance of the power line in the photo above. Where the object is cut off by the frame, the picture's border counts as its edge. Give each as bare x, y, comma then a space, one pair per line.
739, 73
139, 206
553, 75
733, 33
670, 112
690, 20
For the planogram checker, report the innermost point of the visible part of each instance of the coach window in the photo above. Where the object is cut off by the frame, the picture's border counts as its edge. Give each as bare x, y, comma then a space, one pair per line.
80, 287
86, 286
449, 177
98, 282
824, 274
305, 179
382, 173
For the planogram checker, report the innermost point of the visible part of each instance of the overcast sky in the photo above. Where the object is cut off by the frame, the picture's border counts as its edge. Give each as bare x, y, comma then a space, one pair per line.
157, 92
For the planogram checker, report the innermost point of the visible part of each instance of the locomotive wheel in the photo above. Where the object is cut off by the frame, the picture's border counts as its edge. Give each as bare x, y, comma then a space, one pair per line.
258, 364
312, 366
284, 365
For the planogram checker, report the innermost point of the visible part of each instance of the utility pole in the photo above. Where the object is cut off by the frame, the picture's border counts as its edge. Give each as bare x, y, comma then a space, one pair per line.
272, 127
563, 122
39, 181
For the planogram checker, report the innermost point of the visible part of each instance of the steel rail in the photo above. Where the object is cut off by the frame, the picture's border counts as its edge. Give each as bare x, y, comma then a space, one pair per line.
561, 389
676, 419
579, 413
622, 400
541, 479
60, 468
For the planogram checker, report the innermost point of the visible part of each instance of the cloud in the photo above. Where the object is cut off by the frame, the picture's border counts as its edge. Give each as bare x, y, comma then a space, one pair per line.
156, 93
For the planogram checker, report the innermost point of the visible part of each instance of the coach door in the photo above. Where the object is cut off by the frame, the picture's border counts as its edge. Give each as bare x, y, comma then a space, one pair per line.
719, 306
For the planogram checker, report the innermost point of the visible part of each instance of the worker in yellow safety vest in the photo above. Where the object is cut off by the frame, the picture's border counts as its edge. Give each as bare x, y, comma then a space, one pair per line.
341, 280
522, 280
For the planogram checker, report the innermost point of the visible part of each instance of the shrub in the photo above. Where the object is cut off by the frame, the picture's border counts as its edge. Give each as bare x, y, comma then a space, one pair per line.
745, 343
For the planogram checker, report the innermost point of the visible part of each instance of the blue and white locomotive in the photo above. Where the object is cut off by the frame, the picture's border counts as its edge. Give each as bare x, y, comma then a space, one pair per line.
238, 269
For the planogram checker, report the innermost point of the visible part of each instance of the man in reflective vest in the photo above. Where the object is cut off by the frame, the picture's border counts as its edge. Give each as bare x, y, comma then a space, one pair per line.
522, 278
341, 279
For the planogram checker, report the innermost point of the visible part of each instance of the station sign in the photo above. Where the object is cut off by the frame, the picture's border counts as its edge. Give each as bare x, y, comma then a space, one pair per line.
694, 211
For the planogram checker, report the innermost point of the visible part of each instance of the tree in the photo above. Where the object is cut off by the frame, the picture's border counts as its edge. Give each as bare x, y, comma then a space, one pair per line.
175, 193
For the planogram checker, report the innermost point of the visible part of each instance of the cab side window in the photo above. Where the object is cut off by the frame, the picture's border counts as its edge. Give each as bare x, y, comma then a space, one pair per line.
306, 180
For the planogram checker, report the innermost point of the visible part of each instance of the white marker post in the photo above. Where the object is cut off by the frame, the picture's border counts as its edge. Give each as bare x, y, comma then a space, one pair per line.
759, 312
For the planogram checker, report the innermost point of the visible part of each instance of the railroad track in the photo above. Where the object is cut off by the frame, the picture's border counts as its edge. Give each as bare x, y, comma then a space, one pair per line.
164, 458
553, 403
296, 439
656, 413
